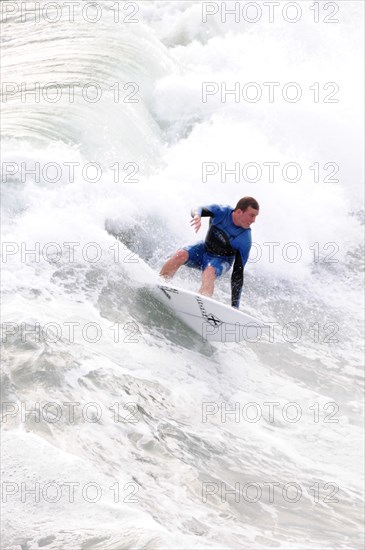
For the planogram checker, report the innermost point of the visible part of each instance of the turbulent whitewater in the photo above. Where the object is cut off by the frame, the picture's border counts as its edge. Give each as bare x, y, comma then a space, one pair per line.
121, 428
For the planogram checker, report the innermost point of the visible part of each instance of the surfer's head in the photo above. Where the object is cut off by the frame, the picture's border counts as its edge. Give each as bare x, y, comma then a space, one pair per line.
245, 212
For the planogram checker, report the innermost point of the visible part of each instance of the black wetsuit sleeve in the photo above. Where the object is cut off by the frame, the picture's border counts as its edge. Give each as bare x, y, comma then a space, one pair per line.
237, 280
202, 212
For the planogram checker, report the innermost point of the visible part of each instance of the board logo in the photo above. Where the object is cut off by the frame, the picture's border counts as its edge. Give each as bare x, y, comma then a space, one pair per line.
166, 290
210, 318
213, 320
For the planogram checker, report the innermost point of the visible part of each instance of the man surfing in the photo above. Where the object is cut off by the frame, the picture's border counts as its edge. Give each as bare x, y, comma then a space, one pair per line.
227, 242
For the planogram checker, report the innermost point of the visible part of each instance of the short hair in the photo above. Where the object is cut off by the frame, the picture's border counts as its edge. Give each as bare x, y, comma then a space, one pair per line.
245, 202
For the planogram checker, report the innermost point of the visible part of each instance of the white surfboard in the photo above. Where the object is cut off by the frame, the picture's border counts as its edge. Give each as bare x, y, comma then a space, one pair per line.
212, 320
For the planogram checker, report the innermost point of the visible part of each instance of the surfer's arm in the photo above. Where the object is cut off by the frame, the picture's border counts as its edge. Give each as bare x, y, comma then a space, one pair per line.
202, 212
197, 214
237, 274
237, 281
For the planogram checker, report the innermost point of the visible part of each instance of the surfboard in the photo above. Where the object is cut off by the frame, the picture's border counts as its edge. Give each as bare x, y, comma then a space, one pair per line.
212, 320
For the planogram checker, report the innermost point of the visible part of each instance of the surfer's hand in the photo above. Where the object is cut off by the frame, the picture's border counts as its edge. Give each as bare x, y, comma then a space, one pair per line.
196, 223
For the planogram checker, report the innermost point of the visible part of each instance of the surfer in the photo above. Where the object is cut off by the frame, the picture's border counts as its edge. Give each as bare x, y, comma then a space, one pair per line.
227, 242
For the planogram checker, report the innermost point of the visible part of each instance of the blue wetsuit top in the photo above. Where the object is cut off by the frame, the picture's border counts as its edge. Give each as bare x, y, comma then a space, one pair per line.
224, 238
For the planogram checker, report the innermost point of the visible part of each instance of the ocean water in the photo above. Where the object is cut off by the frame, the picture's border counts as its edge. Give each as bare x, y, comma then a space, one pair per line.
121, 428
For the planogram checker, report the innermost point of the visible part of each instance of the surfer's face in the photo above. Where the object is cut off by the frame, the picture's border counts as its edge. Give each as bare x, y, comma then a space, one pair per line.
247, 217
